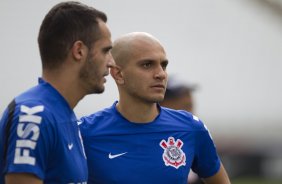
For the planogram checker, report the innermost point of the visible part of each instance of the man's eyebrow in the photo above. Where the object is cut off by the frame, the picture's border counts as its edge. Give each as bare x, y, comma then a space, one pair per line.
165, 61
152, 60
146, 60
107, 48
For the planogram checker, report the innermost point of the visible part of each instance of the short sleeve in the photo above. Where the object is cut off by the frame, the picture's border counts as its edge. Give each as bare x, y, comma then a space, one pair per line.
31, 137
206, 162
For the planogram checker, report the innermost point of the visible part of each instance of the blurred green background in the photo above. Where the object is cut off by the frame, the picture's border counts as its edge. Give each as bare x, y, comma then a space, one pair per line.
252, 180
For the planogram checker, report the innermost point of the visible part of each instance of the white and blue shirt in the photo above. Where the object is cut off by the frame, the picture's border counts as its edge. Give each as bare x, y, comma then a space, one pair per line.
39, 135
162, 151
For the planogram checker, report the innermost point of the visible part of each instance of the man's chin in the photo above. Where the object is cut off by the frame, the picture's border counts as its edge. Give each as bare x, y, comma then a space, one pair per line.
160, 98
98, 90
157, 99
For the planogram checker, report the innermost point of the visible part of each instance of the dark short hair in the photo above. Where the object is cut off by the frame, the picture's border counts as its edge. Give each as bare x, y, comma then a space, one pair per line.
64, 24
179, 91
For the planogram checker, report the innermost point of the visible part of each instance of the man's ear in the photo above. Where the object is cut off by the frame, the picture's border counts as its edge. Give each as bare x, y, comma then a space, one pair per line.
79, 50
116, 73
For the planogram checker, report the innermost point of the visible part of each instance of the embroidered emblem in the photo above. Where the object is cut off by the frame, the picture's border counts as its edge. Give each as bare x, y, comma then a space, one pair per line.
173, 154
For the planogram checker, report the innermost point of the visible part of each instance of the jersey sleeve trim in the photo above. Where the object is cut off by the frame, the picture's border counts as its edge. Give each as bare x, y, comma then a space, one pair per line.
11, 110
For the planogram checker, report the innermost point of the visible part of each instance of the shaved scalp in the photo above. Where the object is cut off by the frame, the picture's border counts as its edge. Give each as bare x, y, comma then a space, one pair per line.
125, 46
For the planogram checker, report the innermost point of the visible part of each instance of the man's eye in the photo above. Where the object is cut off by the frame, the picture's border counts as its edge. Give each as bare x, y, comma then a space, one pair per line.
164, 66
146, 65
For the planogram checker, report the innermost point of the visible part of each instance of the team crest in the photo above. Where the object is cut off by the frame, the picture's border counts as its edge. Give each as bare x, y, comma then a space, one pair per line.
173, 154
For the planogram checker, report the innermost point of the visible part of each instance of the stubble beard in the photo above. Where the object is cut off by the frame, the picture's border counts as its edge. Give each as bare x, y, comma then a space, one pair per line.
89, 76
151, 99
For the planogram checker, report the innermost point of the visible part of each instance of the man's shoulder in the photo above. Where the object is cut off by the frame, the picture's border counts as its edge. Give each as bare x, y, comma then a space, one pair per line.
32, 95
42, 96
183, 118
175, 114
31, 106
29, 112
97, 117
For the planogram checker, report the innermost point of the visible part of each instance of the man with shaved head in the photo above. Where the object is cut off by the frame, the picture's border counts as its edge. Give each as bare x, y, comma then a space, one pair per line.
136, 141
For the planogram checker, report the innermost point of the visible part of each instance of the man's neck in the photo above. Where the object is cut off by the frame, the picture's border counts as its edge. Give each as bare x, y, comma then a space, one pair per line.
138, 112
67, 87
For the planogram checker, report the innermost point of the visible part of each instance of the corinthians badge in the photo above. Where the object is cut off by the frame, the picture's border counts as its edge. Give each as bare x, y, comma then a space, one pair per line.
173, 154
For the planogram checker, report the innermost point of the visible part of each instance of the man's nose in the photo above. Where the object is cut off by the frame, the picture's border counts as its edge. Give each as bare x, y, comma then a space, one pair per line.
160, 73
111, 61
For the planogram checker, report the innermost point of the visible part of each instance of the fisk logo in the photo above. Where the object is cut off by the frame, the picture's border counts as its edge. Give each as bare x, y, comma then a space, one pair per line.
28, 133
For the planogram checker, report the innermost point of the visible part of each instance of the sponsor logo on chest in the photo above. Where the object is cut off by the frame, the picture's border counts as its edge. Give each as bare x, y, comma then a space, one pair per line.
173, 154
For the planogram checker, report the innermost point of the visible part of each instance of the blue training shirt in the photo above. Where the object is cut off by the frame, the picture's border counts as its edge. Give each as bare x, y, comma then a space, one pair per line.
158, 152
39, 135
